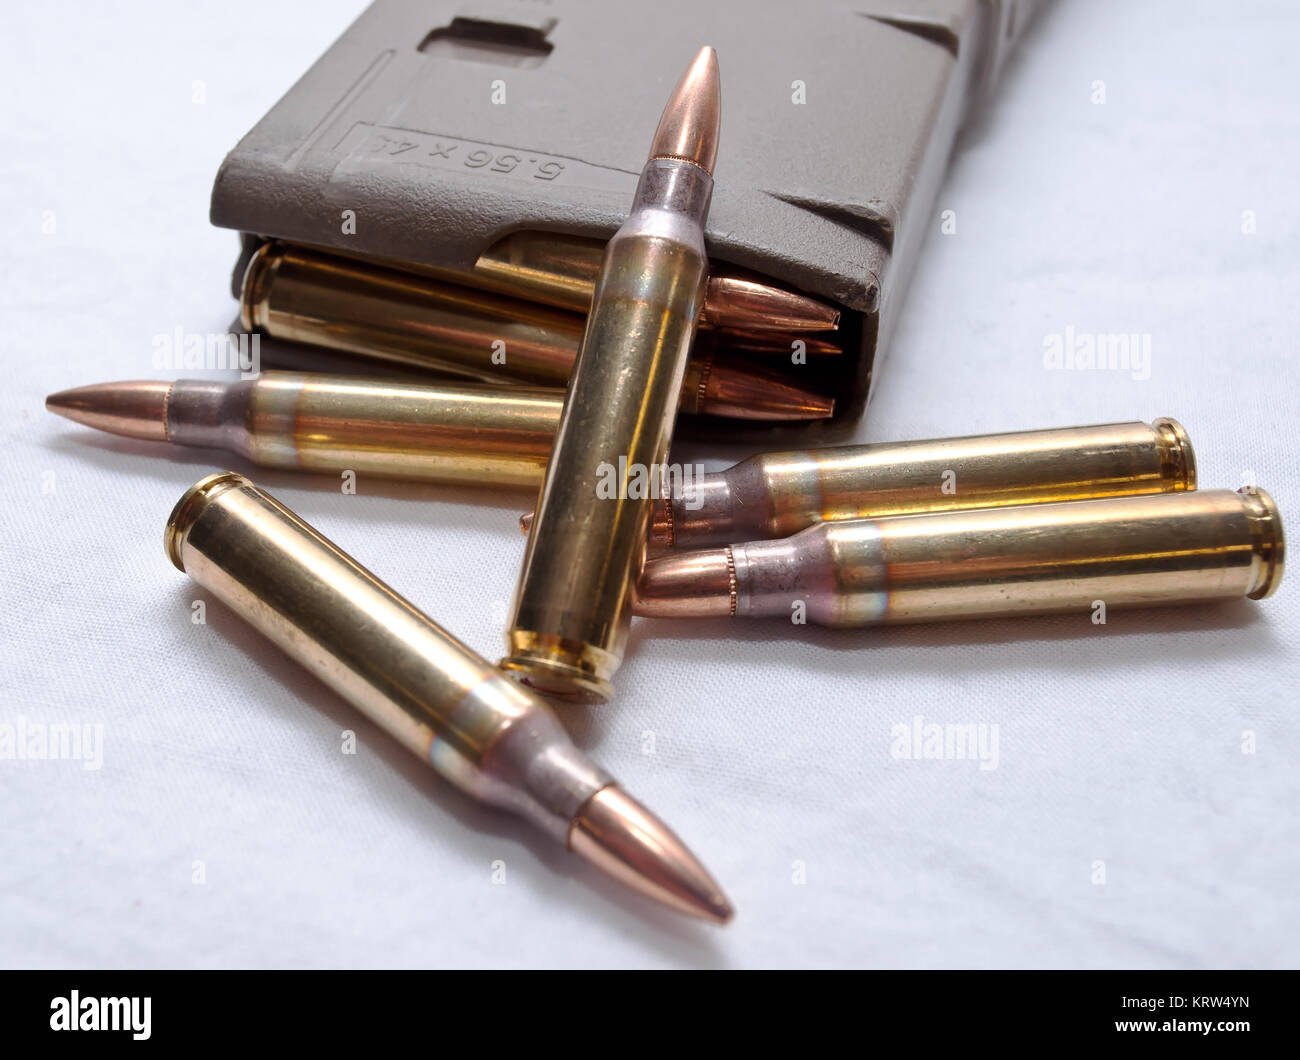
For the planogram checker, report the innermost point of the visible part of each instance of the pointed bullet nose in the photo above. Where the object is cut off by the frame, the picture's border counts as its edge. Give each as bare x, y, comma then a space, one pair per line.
749, 392
691, 121
699, 584
133, 409
621, 837
743, 304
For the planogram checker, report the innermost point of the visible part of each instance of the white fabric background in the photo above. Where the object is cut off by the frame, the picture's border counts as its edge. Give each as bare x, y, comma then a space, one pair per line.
1119, 743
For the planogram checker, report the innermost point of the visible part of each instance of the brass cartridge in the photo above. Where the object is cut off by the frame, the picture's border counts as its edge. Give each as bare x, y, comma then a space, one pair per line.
573, 605
777, 494
561, 270
355, 307
496, 741
1170, 548
470, 433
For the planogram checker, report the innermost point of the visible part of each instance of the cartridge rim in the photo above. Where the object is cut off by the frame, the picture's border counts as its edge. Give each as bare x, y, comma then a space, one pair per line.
253, 287
1270, 541
1180, 466
191, 506
570, 670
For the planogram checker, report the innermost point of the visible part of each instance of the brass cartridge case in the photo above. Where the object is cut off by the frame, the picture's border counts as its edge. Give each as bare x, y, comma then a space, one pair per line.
1172, 548
778, 494
498, 742
359, 308
409, 676
351, 306
573, 606
469, 433
550, 268
561, 270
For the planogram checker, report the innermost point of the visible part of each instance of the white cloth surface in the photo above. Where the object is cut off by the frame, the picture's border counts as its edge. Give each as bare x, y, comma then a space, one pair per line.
1119, 744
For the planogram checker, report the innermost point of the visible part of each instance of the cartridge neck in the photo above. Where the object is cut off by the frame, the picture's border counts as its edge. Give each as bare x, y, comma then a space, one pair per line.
671, 192
210, 415
549, 788
735, 504
769, 576
701, 515
830, 574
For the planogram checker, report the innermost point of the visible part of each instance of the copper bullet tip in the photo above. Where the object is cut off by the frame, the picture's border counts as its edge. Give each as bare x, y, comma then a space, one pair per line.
136, 409
622, 838
698, 584
725, 387
690, 123
752, 305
